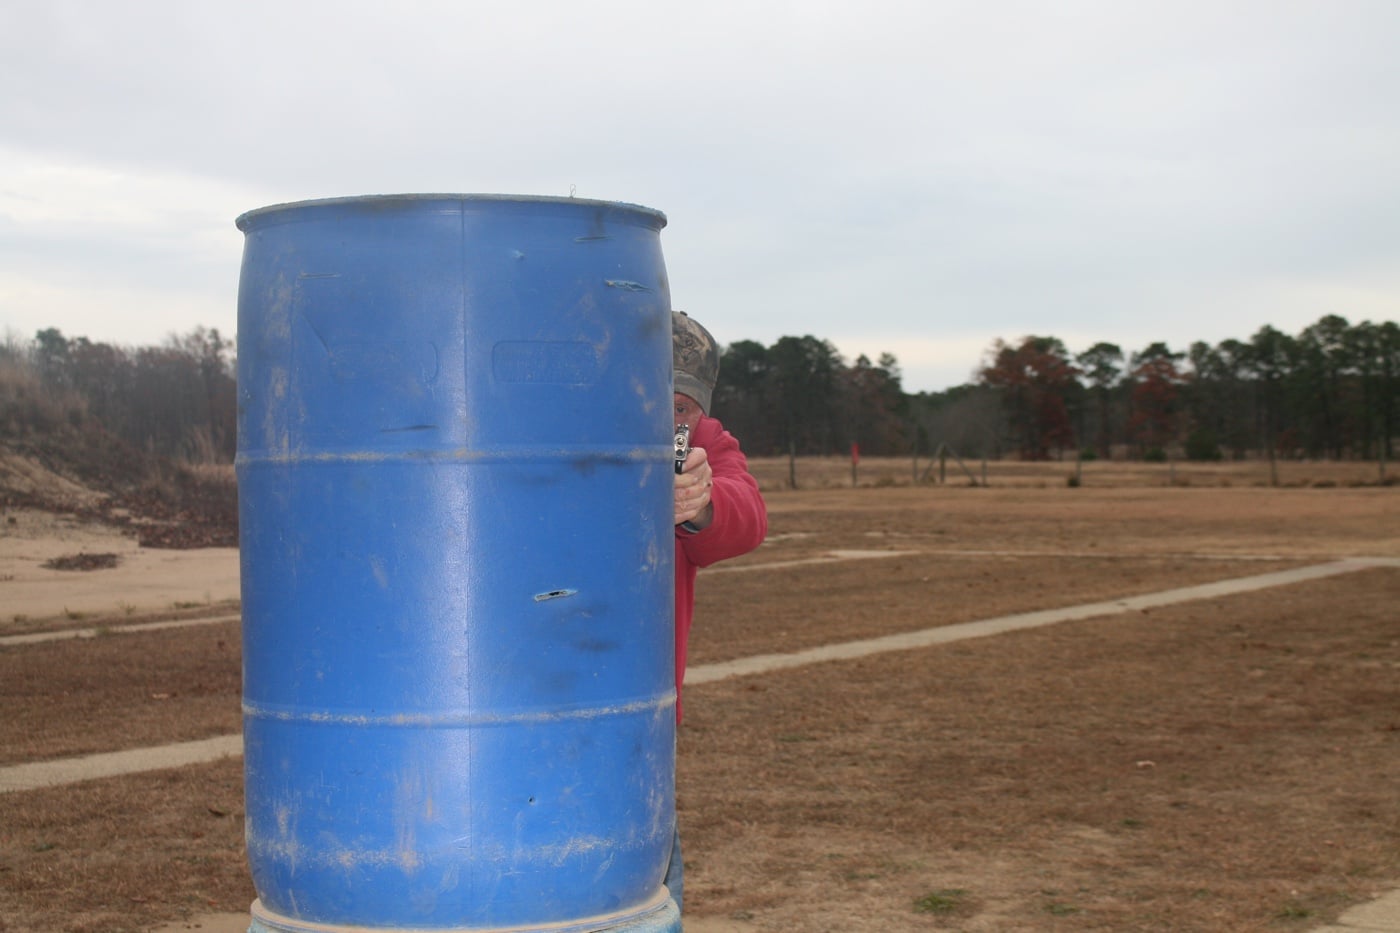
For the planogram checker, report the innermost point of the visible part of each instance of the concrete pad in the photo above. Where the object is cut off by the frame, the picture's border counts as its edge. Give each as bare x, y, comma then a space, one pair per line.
209, 923
1379, 916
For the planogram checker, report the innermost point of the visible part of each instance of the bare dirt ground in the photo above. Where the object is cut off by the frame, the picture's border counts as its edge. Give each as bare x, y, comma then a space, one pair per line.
161, 557
1223, 765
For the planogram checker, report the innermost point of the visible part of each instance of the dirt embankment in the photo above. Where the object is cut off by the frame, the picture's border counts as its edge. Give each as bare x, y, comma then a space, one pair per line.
171, 507
90, 529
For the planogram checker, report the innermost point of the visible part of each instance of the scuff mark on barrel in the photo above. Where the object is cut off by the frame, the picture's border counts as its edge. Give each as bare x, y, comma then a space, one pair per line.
625, 285
592, 239
652, 558
553, 594
381, 575
640, 388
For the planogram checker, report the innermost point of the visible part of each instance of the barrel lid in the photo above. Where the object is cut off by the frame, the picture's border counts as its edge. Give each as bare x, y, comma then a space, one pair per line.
262, 215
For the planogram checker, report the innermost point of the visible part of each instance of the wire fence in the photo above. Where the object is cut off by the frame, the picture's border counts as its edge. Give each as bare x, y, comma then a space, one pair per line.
778, 473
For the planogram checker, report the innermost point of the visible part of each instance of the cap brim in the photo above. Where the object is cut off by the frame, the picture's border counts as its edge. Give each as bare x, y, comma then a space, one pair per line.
686, 384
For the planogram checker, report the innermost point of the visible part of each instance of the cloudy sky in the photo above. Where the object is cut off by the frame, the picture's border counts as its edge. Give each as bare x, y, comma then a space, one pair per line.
913, 177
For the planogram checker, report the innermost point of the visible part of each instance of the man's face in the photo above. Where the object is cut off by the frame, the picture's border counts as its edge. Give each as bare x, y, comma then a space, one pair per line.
688, 411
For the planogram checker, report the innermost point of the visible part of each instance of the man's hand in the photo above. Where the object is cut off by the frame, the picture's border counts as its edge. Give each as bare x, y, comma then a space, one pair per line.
692, 490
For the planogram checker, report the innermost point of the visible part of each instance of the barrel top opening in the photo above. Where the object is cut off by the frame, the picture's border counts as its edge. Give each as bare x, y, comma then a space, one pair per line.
374, 202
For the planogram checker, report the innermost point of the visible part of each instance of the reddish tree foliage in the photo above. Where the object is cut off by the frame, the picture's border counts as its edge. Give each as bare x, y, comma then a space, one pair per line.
1034, 378
1156, 384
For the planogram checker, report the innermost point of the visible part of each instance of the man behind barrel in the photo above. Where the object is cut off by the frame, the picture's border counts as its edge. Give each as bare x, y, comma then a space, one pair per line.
719, 511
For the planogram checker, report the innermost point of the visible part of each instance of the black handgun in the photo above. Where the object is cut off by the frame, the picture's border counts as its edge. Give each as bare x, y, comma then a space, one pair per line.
682, 445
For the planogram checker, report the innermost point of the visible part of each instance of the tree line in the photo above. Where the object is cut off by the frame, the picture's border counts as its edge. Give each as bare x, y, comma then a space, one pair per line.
1331, 391
177, 400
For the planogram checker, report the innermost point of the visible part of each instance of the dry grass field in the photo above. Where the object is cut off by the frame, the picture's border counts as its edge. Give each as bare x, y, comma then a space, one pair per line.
1222, 764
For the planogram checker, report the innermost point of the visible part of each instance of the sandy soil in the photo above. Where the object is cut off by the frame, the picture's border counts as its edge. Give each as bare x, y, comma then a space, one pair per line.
144, 580
1221, 765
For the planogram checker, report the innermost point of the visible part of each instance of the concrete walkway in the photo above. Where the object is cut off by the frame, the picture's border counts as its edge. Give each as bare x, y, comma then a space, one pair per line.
60, 771
35, 638
943, 634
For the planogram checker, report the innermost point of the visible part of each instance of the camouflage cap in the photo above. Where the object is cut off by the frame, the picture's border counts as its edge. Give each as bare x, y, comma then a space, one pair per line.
695, 357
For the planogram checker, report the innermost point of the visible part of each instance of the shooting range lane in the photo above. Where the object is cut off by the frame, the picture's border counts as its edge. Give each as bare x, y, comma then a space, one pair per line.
64, 771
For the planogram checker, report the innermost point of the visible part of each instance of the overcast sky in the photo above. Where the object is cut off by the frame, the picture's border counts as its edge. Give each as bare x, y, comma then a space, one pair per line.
919, 178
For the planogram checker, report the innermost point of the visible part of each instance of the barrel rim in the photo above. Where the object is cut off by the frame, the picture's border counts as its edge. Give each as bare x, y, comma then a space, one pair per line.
249, 218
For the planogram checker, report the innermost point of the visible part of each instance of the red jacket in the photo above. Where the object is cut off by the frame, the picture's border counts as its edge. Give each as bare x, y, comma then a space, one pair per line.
739, 525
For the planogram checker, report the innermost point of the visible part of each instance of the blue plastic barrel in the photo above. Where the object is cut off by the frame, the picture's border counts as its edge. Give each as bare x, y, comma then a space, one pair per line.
454, 473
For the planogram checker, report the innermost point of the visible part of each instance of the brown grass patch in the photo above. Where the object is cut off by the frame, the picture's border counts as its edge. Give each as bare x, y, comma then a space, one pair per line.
116, 691
124, 854
1215, 766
